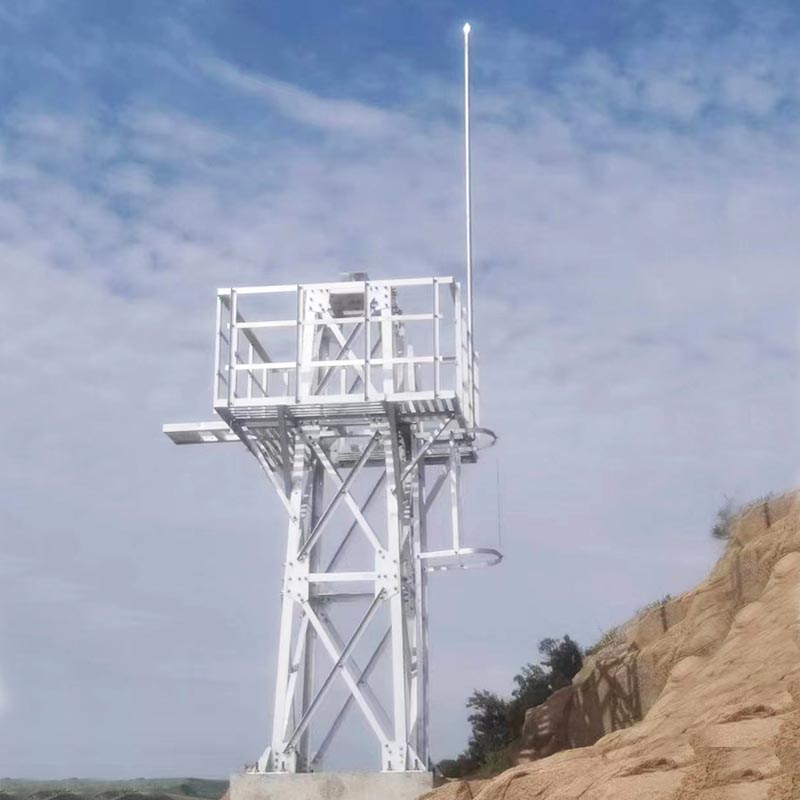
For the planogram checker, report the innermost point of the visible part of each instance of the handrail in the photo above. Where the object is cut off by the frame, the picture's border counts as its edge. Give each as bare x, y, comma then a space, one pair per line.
454, 559
438, 318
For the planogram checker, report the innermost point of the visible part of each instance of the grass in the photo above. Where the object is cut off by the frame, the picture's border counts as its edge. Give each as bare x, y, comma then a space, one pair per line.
759, 501
614, 635
145, 788
729, 511
609, 637
496, 762
654, 604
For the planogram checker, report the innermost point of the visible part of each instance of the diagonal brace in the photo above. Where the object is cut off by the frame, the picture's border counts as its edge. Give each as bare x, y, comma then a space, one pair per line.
346, 347
425, 447
346, 538
340, 717
343, 490
348, 498
244, 436
340, 665
336, 330
298, 654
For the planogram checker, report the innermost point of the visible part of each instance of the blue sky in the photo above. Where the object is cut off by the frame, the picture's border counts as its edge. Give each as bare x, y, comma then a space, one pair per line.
636, 183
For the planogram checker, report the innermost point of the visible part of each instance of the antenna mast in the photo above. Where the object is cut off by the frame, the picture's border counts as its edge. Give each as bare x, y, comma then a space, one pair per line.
468, 204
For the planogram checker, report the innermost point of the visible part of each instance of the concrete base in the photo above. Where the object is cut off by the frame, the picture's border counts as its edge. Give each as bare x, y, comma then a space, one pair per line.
330, 785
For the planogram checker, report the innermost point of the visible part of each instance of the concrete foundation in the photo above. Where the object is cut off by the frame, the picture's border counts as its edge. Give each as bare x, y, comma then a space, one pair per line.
330, 785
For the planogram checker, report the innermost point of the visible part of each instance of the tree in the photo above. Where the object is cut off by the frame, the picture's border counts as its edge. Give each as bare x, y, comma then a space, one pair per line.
532, 689
496, 722
489, 721
563, 659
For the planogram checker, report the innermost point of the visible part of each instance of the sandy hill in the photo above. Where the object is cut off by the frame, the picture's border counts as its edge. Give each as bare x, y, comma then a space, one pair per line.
697, 699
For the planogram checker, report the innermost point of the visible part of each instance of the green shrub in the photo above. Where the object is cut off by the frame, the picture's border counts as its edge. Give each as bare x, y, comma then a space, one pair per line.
533, 688
564, 660
460, 767
496, 762
489, 721
496, 721
723, 522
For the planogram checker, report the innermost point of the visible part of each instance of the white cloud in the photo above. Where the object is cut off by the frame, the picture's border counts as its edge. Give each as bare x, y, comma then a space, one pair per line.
753, 94
297, 104
166, 134
60, 132
636, 320
130, 179
676, 98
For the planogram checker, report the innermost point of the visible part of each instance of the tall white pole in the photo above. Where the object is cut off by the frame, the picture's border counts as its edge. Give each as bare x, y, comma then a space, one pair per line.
468, 191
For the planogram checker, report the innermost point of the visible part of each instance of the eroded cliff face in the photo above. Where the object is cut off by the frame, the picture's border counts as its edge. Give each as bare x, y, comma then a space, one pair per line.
698, 698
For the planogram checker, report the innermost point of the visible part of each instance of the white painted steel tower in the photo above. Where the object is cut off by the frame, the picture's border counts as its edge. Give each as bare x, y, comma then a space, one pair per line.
359, 401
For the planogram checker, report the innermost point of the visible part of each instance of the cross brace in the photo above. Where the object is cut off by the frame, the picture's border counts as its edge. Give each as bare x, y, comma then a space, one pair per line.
392, 587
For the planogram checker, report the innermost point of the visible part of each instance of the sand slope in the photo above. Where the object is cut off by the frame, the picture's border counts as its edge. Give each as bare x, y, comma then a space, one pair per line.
714, 677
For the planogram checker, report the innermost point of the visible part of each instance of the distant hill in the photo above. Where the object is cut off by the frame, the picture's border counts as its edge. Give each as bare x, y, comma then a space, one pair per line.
138, 789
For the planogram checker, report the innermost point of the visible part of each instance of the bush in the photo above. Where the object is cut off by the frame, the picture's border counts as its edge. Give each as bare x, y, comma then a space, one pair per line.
496, 722
459, 767
490, 728
724, 520
533, 688
607, 638
564, 659
496, 762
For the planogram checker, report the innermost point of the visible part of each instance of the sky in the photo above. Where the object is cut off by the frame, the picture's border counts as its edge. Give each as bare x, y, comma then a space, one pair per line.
636, 183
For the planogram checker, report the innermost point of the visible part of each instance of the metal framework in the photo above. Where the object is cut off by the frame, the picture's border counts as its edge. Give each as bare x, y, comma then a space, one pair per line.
360, 415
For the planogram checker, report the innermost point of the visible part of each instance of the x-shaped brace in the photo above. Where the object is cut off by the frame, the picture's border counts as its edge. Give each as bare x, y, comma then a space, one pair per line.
344, 489
341, 657
344, 343
343, 492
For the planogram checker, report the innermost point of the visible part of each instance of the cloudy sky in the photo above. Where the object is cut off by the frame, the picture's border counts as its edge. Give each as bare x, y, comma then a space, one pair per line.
637, 185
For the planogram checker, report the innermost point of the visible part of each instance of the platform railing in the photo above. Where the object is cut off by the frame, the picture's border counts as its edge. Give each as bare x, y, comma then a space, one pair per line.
375, 351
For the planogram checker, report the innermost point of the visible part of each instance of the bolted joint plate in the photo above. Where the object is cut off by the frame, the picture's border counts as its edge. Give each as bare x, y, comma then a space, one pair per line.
295, 580
387, 574
394, 756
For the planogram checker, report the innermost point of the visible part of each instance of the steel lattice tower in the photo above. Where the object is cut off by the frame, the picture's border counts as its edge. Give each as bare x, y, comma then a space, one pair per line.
359, 401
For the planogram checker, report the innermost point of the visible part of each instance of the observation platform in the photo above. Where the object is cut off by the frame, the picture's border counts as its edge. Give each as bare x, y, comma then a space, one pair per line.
343, 350
343, 355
